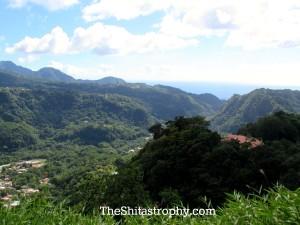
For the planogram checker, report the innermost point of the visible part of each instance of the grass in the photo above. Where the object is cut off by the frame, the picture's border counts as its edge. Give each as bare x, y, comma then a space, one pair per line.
279, 206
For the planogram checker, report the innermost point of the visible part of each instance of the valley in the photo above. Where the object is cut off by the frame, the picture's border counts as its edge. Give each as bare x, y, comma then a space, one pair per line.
65, 141
145, 112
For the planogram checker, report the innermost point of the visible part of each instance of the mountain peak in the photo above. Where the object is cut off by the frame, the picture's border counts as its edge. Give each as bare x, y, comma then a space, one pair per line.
54, 74
49, 69
111, 80
7, 63
10, 66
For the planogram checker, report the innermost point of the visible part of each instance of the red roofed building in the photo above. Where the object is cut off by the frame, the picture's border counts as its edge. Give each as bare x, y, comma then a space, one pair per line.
254, 142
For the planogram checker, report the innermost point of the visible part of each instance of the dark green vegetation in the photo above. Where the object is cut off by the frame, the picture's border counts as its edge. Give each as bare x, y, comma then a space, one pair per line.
187, 162
243, 109
161, 102
16, 135
30, 116
280, 126
279, 206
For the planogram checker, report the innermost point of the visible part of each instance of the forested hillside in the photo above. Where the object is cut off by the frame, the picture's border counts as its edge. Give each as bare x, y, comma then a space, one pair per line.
161, 102
243, 109
79, 126
69, 116
186, 162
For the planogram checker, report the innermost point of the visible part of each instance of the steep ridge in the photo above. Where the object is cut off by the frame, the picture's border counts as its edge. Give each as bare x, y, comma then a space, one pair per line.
242, 109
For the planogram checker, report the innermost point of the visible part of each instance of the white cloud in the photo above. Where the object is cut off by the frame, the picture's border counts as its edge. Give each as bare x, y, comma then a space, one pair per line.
49, 4
57, 41
272, 24
101, 39
248, 24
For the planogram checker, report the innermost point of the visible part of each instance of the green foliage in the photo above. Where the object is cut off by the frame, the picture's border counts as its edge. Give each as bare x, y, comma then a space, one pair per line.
242, 109
188, 159
67, 116
91, 113
127, 189
39, 211
89, 193
161, 102
279, 126
25, 179
16, 135
97, 134
174, 159
278, 206
170, 198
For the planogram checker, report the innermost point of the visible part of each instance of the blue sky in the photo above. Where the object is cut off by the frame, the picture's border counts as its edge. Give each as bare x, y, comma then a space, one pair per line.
254, 42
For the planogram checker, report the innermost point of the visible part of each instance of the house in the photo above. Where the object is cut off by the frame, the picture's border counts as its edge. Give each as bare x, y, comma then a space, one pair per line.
5, 184
14, 203
28, 191
44, 181
254, 142
7, 198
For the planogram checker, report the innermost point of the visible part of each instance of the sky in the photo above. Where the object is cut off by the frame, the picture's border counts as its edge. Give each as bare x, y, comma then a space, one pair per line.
218, 41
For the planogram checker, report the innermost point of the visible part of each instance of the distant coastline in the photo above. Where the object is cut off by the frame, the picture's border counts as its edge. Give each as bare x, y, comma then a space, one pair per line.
221, 90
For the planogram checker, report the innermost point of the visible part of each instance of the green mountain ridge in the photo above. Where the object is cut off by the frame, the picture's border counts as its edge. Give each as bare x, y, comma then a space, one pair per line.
89, 113
242, 109
160, 101
49, 74
54, 75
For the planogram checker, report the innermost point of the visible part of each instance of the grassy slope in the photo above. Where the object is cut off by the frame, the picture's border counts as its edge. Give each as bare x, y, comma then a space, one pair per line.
280, 206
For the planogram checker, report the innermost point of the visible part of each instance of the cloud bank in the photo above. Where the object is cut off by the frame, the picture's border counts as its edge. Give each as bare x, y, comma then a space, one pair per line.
247, 24
101, 39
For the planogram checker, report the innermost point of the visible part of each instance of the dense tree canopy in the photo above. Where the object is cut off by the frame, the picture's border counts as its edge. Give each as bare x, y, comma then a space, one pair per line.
16, 135
187, 162
279, 126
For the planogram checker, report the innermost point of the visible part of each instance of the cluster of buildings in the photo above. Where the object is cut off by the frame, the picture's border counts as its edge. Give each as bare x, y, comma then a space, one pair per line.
8, 192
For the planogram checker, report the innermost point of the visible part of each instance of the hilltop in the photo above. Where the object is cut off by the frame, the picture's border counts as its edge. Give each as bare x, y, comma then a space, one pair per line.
242, 109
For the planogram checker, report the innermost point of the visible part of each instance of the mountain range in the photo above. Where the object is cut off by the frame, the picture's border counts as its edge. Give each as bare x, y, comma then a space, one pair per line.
48, 105
47, 73
158, 102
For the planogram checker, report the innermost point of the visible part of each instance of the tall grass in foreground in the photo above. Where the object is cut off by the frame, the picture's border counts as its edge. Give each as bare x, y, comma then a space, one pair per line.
279, 206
